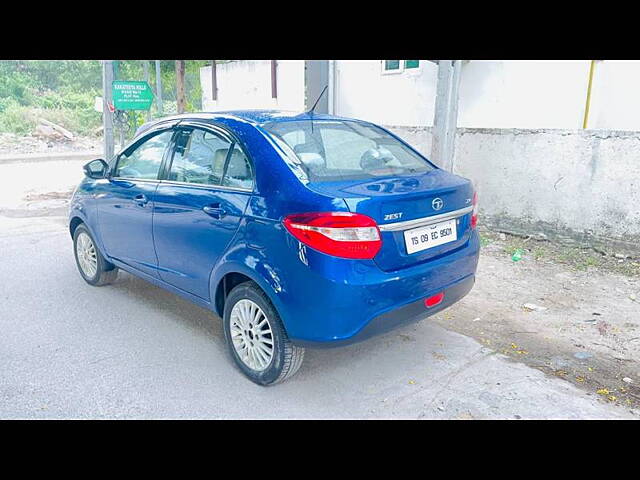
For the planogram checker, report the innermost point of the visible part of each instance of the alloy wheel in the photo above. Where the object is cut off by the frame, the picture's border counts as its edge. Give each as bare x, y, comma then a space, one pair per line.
251, 335
87, 257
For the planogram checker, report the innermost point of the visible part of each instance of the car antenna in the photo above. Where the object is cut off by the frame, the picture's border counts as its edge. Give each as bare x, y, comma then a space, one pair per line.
310, 112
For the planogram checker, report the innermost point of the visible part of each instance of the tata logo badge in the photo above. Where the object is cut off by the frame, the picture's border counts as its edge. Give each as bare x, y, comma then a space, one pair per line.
437, 203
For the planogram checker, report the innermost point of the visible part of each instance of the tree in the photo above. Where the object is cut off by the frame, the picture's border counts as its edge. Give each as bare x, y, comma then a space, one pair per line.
180, 94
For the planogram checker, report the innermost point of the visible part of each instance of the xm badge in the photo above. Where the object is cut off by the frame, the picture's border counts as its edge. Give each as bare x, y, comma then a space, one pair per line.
437, 203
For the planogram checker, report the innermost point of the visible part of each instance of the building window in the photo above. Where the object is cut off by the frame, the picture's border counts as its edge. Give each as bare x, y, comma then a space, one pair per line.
399, 66
392, 66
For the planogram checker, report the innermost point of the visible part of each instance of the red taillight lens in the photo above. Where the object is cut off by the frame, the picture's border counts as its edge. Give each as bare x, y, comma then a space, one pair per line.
474, 214
342, 234
434, 300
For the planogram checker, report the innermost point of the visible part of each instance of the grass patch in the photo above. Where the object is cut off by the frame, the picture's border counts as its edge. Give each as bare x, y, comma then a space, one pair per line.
484, 240
575, 257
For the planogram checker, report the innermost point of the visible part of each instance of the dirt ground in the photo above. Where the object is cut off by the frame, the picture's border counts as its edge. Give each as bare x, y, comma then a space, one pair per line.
14, 144
568, 311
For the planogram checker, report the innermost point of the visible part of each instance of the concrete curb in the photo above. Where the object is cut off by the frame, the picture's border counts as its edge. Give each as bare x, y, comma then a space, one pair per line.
50, 157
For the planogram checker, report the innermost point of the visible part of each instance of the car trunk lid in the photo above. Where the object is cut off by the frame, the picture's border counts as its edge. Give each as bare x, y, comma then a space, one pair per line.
418, 204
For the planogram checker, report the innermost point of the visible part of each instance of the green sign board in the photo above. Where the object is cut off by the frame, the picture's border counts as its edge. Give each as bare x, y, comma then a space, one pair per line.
132, 95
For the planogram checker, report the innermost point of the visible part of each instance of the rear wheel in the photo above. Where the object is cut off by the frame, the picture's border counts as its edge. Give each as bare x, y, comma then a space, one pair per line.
256, 339
93, 268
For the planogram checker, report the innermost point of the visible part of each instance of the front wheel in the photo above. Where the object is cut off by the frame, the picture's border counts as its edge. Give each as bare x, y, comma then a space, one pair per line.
93, 267
256, 339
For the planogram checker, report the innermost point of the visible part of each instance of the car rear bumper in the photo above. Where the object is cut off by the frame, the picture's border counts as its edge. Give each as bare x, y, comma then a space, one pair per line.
413, 312
330, 306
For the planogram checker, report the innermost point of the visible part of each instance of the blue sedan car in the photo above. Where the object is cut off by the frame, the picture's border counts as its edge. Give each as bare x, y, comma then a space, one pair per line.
299, 230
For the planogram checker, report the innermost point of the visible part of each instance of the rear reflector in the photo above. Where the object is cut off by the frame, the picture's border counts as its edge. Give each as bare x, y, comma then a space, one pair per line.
474, 214
341, 234
434, 300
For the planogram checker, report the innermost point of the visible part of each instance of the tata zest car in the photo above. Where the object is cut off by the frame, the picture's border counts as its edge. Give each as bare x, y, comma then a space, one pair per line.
299, 230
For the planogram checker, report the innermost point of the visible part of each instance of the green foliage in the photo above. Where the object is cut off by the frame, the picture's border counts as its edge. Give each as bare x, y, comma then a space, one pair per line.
63, 91
16, 118
80, 121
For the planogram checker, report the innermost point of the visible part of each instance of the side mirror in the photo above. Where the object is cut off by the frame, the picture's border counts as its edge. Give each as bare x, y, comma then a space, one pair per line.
96, 168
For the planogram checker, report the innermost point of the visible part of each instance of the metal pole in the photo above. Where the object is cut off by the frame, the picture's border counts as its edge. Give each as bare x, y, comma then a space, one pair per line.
107, 116
145, 65
274, 79
332, 86
214, 81
158, 87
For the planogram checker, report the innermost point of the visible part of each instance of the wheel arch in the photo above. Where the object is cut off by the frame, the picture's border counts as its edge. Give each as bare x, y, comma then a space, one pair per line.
224, 279
75, 221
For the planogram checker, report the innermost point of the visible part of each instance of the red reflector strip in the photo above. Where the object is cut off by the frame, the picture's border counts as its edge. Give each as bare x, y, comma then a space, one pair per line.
434, 300
474, 214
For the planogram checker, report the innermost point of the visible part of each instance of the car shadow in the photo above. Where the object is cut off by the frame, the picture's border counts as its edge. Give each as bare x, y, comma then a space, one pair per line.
397, 351
180, 310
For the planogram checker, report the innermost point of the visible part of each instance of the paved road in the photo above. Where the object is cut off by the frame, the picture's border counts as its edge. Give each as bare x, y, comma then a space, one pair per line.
132, 350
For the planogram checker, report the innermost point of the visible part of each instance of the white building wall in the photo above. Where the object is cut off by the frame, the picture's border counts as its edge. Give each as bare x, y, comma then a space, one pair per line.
523, 94
246, 84
495, 94
616, 95
363, 91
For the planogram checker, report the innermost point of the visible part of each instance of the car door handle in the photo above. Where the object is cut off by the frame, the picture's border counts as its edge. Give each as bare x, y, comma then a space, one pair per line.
141, 199
215, 210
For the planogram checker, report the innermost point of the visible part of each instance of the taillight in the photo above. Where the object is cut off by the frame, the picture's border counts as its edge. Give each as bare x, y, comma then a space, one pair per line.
474, 213
342, 234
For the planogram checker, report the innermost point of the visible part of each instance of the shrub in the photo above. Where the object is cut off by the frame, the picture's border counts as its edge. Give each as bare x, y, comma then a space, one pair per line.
17, 119
77, 121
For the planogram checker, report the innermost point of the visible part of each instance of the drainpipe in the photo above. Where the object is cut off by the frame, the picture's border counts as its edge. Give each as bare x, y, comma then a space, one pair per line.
588, 103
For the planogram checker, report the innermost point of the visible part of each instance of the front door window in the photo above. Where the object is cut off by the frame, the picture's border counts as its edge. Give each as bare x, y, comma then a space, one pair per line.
143, 162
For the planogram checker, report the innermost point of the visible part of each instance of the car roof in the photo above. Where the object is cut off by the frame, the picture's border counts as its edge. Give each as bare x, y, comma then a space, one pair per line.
255, 117
261, 117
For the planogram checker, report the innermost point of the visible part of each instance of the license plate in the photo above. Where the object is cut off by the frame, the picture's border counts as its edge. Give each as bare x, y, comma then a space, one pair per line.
430, 236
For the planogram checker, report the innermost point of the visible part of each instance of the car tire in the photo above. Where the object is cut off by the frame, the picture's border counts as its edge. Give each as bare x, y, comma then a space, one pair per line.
239, 331
93, 267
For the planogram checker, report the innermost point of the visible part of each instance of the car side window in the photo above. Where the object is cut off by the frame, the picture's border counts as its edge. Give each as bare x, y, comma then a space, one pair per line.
145, 160
238, 172
199, 157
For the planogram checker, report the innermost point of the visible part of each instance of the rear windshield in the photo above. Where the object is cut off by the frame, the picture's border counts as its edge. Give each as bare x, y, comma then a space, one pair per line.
334, 150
